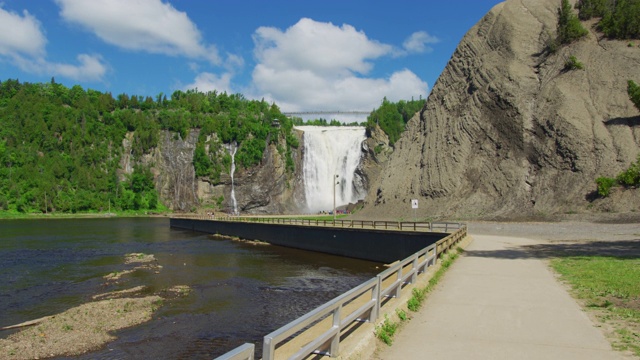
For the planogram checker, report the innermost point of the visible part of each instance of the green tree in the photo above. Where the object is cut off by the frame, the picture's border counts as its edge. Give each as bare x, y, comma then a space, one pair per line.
569, 26
618, 19
201, 162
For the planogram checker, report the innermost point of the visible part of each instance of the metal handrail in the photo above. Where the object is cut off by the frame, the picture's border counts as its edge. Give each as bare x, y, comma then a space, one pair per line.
242, 352
375, 224
410, 276
334, 307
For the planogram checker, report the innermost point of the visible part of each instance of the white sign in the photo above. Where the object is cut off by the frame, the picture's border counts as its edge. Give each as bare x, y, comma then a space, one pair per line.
414, 203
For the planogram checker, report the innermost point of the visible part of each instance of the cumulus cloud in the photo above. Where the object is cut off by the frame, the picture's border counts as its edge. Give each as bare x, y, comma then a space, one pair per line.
141, 25
326, 48
209, 82
22, 43
20, 34
418, 42
321, 66
89, 67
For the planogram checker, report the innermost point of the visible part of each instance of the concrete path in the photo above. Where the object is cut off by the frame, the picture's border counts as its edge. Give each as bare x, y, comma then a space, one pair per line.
499, 302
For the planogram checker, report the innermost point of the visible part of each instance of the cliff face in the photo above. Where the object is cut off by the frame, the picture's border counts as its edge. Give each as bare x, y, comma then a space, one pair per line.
266, 188
172, 165
507, 132
263, 189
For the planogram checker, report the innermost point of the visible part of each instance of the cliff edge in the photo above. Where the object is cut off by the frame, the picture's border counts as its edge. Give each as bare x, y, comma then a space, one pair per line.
508, 132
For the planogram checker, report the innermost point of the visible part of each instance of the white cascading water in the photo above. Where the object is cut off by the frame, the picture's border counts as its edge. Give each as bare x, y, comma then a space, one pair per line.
232, 148
331, 151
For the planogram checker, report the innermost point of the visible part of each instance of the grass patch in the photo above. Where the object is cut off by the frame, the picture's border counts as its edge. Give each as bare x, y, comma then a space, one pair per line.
415, 302
402, 315
611, 287
386, 330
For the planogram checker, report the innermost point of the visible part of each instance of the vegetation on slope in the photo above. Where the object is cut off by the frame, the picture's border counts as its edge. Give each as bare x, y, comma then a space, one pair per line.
569, 27
629, 178
393, 117
60, 147
618, 19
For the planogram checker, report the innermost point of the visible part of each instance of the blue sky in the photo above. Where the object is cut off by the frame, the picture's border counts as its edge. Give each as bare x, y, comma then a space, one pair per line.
303, 55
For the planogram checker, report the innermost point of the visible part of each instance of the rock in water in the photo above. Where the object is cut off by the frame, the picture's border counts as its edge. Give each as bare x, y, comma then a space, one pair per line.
507, 131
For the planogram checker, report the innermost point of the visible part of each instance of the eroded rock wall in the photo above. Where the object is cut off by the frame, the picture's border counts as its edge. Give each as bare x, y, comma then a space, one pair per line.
507, 132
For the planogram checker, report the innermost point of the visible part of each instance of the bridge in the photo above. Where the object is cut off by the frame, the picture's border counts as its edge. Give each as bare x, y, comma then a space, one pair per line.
325, 112
344, 116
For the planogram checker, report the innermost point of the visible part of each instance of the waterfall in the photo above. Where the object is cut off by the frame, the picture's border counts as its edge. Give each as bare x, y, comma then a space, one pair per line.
232, 148
331, 151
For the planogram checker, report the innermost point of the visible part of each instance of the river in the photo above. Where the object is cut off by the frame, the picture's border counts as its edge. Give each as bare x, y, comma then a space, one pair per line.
240, 292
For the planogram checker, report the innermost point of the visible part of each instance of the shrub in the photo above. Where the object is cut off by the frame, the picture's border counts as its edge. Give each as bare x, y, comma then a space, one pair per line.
573, 64
604, 185
631, 176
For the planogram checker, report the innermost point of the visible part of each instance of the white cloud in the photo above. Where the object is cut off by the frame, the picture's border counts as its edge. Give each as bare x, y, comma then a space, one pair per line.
324, 47
20, 34
319, 66
417, 42
205, 82
90, 67
142, 25
22, 43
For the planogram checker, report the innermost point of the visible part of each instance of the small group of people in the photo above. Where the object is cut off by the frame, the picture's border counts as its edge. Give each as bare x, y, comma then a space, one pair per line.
330, 212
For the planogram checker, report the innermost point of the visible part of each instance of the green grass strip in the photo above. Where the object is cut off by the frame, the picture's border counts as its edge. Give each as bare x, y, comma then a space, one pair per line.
610, 285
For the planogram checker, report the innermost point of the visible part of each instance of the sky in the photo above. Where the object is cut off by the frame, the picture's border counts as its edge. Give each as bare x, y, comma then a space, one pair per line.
330, 55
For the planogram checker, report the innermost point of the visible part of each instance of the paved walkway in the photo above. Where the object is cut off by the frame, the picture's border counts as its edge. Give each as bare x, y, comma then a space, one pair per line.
499, 302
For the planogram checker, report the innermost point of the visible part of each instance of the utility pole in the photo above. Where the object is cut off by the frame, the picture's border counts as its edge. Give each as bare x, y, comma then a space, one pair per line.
335, 182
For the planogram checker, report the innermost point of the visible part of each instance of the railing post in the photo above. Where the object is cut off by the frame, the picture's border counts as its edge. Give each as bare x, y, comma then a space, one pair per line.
399, 287
414, 276
268, 349
378, 291
335, 342
375, 295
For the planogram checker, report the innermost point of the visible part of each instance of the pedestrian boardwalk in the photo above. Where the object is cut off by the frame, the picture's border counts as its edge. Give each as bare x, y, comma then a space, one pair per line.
499, 302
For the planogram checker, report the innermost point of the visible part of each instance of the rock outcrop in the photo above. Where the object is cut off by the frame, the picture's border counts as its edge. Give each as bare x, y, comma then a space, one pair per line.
171, 163
268, 188
508, 132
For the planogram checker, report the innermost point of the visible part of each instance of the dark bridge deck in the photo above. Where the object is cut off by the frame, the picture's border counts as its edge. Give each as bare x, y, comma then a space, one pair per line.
370, 243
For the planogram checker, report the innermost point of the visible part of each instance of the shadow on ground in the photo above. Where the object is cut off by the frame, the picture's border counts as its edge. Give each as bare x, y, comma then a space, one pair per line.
627, 249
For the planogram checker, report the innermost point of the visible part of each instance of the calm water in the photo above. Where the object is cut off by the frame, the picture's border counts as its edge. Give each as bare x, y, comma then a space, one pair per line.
241, 292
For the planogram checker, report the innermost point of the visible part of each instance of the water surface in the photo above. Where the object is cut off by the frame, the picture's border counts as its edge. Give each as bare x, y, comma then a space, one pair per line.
241, 292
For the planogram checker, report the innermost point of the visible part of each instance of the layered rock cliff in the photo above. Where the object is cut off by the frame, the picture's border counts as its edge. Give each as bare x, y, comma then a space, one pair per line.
508, 132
